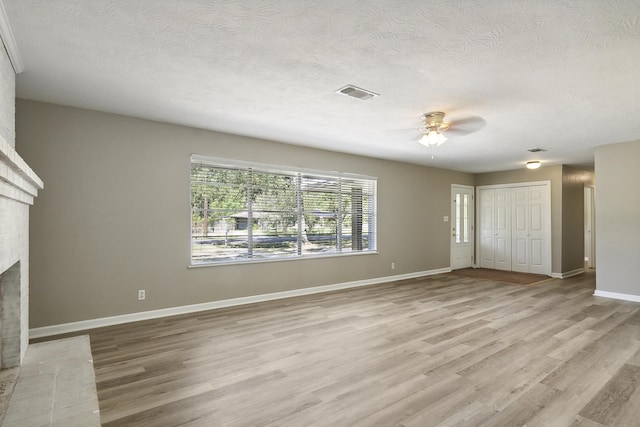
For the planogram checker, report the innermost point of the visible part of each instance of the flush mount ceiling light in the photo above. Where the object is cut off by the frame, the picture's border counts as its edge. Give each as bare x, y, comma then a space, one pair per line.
534, 164
433, 127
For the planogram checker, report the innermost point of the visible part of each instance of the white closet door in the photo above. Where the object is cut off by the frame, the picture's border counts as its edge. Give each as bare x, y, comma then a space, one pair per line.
487, 233
502, 229
515, 228
520, 230
538, 247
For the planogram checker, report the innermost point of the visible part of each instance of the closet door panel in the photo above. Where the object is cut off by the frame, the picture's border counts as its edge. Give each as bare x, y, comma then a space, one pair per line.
520, 230
537, 256
538, 247
503, 254
487, 234
502, 228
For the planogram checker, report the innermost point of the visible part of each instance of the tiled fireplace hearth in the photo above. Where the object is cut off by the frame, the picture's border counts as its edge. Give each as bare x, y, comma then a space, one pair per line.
19, 186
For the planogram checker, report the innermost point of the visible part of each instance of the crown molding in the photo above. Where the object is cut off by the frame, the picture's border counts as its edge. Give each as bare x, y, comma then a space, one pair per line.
9, 41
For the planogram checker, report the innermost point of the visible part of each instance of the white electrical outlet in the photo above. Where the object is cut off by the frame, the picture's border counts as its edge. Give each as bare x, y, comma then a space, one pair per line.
393, 265
142, 294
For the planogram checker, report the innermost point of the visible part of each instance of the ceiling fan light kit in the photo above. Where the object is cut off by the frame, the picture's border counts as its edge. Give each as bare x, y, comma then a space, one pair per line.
432, 138
433, 127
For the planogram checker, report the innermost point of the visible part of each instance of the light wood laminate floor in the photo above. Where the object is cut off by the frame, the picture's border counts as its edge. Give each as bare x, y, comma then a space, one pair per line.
442, 350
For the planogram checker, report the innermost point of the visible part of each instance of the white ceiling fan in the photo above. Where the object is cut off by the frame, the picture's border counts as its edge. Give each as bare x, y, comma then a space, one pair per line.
434, 125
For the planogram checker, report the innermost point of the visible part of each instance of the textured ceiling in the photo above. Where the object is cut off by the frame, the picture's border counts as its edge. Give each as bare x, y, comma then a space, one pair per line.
561, 75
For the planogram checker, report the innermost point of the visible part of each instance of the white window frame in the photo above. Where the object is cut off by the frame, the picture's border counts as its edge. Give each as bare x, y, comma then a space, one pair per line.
369, 183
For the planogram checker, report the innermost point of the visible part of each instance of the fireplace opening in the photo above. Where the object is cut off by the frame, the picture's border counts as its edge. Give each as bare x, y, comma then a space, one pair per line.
10, 317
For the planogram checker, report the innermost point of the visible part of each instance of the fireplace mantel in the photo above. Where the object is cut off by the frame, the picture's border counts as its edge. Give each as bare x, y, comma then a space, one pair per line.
17, 180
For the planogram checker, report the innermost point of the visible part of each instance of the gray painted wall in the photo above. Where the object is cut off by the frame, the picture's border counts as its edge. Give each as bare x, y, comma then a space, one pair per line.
115, 216
618, 218
573, 183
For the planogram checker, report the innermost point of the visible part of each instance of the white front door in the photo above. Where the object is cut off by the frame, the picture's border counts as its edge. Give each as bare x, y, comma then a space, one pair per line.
461, 226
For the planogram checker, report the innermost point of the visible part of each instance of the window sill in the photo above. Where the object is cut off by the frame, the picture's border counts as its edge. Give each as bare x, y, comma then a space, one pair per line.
294, 258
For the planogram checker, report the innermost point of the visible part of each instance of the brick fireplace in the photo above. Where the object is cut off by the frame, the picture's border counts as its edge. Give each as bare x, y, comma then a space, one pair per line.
19, 186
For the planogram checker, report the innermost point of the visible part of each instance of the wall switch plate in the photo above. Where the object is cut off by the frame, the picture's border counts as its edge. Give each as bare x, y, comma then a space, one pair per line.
446, 219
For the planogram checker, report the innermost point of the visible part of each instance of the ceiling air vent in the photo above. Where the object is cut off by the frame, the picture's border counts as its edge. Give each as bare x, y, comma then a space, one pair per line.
357, 92
536, 150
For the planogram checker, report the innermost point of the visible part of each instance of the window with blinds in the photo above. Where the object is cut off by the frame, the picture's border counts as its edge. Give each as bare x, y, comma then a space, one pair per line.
242, 212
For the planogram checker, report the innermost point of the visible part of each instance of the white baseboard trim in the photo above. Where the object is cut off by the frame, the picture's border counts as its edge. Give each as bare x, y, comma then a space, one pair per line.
568, 273
616, 295
64, 328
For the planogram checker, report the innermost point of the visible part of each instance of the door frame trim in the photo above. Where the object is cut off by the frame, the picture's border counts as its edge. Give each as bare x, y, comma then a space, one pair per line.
590, 225
547, 214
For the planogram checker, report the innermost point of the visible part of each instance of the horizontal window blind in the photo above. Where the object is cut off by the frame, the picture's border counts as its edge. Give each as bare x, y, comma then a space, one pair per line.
247, 212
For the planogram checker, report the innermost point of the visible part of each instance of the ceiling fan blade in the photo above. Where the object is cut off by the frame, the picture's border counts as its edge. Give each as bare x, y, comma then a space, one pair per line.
467, 125
409, 134
404, 130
